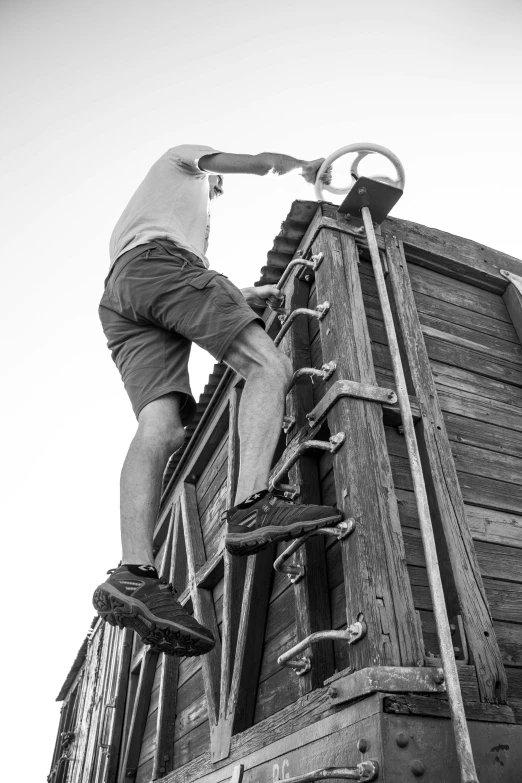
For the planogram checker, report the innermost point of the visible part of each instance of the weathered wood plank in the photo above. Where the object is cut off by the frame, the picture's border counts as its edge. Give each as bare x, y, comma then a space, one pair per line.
249, 650
376, 584
466, 595
233, 587
453, 256
475, 300
480, 434
168, 691
119, 704
504, 598
139, 713
202, 599
412, 704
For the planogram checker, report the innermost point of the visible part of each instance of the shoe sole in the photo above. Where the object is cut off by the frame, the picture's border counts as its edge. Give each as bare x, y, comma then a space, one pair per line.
162, 635
255, 540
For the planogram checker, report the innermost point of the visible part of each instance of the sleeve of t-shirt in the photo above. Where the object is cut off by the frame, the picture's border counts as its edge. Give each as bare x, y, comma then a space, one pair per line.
186, 157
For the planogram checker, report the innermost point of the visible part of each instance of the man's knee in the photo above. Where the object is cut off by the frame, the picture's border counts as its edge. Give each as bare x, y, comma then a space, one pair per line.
253, 350
159, 425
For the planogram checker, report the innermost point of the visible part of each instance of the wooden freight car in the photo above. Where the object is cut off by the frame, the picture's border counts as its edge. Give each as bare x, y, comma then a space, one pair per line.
371, 702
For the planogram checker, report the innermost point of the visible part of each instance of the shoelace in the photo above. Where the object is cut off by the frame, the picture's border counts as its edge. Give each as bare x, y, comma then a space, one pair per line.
162, 581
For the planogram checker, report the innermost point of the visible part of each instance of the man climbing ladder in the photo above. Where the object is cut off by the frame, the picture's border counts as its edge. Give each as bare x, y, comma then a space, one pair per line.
161, 296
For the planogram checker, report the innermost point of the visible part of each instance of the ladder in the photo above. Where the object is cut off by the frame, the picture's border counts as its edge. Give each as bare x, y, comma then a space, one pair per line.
347, 399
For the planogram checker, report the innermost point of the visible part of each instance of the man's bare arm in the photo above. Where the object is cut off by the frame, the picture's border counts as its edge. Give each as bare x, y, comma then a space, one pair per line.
261, 164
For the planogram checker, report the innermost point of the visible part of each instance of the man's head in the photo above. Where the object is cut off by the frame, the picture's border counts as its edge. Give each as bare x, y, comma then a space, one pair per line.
215, 185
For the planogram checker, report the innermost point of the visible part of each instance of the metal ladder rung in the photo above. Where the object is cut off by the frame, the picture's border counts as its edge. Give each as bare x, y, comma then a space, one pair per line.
301, 666
294, 452
313, 264
319, 313
296, 572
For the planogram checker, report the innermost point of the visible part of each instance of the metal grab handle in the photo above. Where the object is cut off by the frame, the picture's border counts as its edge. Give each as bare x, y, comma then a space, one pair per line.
364, 149
364, 772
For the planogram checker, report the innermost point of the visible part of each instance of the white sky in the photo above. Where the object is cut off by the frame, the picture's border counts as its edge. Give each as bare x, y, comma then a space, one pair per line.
93, 93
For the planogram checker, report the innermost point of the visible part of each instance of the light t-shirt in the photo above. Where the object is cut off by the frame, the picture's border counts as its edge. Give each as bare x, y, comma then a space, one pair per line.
171, 203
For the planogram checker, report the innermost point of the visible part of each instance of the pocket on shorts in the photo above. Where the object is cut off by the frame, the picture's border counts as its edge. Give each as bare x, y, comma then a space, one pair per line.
201, 279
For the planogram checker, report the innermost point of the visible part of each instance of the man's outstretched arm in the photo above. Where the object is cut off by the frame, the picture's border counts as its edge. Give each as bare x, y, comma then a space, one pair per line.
261, 164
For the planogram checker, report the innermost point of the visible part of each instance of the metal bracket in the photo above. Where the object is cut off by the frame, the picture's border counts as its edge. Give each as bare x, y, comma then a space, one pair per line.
296, 572
295, 451
513, 278
349, 389
458, 637
319, 313
364, 772
346, 687
351, 635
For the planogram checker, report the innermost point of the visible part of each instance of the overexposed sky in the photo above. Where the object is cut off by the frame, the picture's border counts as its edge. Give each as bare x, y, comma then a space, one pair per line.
93, 93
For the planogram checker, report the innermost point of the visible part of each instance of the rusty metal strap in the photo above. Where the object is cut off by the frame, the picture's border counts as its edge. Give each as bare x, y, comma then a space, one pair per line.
349, 389
365, 771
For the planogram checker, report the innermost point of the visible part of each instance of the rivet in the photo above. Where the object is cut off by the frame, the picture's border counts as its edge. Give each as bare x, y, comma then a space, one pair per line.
362, 745
361, 191
438, 678
417, 768
332, 692
401, 739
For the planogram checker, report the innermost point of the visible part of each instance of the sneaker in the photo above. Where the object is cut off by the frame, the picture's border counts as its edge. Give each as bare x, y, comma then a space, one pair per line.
273, 518
147, 605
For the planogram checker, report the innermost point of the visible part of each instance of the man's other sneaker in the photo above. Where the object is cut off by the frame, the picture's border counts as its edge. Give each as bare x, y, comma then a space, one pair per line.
273, 518
147, 605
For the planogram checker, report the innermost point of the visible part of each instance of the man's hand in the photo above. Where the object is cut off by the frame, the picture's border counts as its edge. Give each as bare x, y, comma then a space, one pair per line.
258, 297
310, 169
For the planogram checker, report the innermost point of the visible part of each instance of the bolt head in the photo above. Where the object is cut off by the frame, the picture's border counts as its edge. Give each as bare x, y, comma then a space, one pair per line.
438, 678
417, 768
362, 745
361, 191
332, 692
401, 739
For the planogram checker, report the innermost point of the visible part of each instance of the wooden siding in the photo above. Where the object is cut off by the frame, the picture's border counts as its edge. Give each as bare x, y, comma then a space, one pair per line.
476, 359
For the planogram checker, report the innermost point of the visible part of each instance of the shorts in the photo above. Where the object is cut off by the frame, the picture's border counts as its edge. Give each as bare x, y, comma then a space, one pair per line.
158, 300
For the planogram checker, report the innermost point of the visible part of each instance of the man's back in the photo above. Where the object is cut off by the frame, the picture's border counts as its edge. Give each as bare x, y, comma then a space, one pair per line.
171, 203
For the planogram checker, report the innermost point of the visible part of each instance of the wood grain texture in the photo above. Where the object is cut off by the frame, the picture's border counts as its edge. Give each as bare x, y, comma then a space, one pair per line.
166, 717
374, 562
202, 599
456, 257
466, 594
139, 714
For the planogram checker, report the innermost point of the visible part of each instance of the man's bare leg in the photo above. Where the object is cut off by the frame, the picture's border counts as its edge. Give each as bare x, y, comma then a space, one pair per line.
159, 435
267, 373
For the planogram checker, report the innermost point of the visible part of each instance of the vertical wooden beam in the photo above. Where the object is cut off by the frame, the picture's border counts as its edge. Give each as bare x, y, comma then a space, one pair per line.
251, 634
168, 688
168, 693
119, 704
234, 567
312, 601
376, 579
446, 504
139, 714
202, 599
